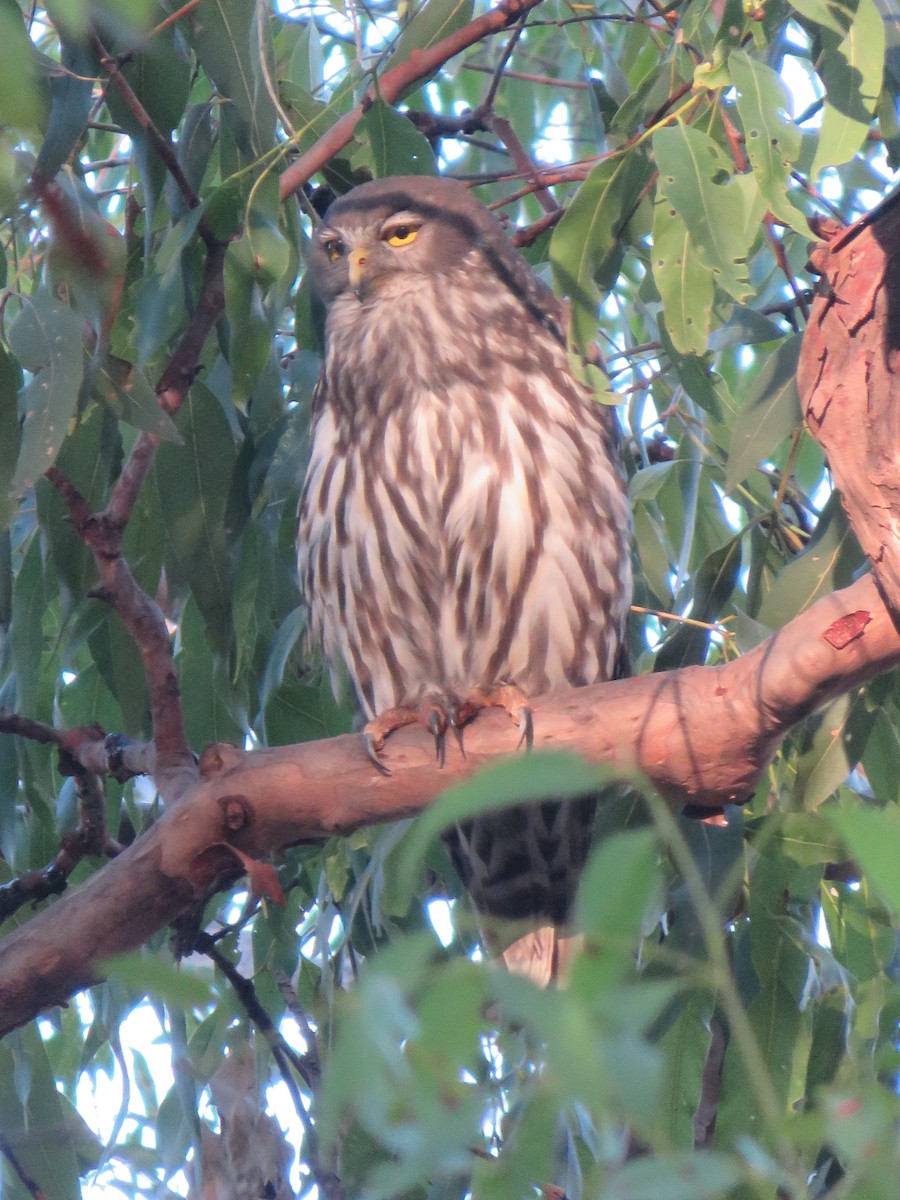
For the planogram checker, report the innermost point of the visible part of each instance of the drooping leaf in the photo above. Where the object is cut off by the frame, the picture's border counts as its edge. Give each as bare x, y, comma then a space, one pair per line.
585, 251
769, 415
873, 837
192, 482
46, 339
224, 38
696, 179
397, 146
773, 142
685, 285
70, 104
829, 561
852, 73
23, 100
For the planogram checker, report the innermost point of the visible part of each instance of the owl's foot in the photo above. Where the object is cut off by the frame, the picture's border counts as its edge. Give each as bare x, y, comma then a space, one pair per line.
510, 698
376, 732
436, 715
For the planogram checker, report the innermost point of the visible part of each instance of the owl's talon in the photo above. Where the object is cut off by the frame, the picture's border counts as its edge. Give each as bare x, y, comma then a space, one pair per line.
438, 725
459, 715
371, 744
526, 728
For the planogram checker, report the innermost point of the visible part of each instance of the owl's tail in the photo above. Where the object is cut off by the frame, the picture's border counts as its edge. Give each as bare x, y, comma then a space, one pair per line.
543, 955
521, 866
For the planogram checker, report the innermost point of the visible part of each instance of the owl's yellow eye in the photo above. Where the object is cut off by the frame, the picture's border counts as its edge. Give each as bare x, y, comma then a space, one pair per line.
334, 248
402, 235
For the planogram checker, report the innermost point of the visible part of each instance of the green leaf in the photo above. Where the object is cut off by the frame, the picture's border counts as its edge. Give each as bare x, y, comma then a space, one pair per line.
873, 838
852, 74
397, 146
881, 756
620, 880
271, 253
685, 1047
40, 1123
705, 1175
26, 630
87, 458
145, 975
305, 67
710, 588
159, 74
829, 1041
685, 285
70, 104
46, 339
159, 302
769, 415
830, 560
250, 343
22, 99
831, 14
205, 687
807, 839
695, 177
862, 934
128, 393
429, 23
280, 647
10, 434
224, 38
192, 483
772, 140
830, 748
586, 249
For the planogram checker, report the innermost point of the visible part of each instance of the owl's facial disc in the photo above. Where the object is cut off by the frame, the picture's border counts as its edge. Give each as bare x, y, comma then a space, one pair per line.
371, 255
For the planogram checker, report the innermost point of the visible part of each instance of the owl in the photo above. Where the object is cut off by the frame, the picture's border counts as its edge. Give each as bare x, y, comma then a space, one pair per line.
463, 526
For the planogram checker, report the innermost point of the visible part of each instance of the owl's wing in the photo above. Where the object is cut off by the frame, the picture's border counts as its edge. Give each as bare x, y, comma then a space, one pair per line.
516, 274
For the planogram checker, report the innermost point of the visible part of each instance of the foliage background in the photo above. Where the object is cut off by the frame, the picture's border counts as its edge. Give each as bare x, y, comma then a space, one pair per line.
732, 1029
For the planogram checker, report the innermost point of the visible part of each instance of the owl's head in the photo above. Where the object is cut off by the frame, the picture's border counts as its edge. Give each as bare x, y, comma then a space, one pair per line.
393, 230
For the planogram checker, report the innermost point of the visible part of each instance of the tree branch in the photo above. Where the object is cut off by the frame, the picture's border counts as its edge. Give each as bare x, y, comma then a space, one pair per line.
849, 379
701, 735
420, 65
175, 769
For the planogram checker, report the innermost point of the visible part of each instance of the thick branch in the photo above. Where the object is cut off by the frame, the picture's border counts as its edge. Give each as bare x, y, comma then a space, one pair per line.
702, 735
391, 85
849, 380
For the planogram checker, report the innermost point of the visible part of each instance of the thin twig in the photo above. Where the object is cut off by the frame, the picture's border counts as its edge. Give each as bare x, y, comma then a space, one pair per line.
163, 147
487, 103
523, 160
172, 18
31, 1186
545, 80
284, 1057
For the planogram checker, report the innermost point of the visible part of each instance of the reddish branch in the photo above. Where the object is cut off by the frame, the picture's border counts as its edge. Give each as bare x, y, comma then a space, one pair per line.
703, 735
90, 837
143, 619
391, 85
849, 379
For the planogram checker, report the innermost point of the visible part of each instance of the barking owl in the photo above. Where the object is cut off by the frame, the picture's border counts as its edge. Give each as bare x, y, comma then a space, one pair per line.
463, 527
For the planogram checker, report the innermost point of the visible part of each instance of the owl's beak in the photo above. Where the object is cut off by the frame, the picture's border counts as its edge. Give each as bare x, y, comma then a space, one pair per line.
358, 271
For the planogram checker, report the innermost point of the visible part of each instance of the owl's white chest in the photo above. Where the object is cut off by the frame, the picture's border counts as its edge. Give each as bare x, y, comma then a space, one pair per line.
451, 543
